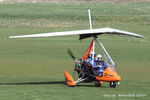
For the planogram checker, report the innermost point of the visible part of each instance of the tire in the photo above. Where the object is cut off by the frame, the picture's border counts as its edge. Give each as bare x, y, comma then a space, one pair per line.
70, 86
97, 84
112, 84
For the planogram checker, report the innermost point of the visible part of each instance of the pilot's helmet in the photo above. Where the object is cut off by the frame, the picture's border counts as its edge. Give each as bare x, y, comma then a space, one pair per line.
99, 57
91, 53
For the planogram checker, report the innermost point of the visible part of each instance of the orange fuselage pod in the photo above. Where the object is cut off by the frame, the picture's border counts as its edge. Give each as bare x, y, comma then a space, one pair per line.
69, 80
109, 75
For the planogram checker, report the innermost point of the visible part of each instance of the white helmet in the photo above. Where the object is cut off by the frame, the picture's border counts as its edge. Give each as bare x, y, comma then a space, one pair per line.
99, 56
91, 53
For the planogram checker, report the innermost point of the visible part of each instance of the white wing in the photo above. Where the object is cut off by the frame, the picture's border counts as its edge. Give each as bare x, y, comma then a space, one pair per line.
93, 32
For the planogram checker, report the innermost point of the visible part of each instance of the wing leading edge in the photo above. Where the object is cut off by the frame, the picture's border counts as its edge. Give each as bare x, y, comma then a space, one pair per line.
83, 33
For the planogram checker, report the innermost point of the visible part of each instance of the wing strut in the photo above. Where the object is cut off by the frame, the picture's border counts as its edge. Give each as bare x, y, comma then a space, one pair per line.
109, 59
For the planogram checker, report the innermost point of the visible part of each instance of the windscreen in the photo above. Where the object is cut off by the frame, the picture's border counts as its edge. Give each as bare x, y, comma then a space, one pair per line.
106, 57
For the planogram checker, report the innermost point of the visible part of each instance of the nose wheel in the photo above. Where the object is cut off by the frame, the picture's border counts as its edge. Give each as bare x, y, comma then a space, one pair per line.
112, 84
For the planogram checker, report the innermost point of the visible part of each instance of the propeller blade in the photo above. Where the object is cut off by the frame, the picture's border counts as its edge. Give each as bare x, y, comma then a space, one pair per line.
71, 54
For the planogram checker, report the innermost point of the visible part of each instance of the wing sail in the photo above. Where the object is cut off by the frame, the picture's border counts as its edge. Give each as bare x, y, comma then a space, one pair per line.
83, 33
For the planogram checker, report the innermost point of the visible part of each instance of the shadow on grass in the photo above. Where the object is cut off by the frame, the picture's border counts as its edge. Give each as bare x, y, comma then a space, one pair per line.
92, 86
34, 83
52, 82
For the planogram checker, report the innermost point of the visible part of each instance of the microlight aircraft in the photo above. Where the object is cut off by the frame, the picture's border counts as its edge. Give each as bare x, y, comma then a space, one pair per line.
109, 74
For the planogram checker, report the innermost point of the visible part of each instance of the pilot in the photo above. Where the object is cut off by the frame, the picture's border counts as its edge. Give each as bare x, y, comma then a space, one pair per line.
100, 61
78, 66
99, 65
89, 60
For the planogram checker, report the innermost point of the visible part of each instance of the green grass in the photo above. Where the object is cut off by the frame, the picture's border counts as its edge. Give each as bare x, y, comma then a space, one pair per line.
32, 69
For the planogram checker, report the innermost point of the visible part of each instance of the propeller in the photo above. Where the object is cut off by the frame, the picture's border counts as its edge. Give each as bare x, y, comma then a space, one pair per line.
73, 57
71, 54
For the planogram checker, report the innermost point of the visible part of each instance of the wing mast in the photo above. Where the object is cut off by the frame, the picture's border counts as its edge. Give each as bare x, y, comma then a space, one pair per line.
90, 23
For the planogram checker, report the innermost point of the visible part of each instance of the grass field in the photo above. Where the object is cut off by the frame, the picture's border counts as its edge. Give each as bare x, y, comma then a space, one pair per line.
32, 69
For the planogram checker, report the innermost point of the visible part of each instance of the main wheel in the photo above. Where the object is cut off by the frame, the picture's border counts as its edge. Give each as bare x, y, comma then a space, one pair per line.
112, 84
70, 86
98, 83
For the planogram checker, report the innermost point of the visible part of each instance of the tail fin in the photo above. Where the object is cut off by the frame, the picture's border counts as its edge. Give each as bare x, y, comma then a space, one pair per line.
69, 80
